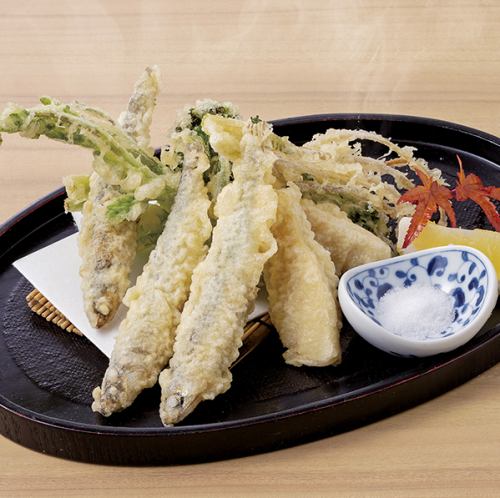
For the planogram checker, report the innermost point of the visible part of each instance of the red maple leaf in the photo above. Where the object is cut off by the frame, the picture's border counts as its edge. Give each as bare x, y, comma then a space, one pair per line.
428, 197
471, 187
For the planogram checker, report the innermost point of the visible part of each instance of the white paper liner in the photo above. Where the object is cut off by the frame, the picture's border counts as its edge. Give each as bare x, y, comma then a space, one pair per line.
54, 271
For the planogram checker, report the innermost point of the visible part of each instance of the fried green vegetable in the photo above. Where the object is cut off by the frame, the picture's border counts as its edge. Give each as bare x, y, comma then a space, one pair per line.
217, 176
118, 159
190, 118
77, 189
331, 168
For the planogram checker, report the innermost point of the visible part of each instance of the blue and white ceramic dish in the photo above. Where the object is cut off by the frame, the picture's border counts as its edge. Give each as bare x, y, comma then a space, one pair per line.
462, 272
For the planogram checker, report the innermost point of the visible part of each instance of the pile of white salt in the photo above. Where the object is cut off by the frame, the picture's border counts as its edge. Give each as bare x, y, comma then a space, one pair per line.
416, 312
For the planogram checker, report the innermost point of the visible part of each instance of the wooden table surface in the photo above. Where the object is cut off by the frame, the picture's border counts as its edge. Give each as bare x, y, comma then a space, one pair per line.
431, 58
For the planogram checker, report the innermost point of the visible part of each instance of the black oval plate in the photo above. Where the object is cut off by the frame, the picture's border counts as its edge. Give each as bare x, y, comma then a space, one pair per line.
46, 375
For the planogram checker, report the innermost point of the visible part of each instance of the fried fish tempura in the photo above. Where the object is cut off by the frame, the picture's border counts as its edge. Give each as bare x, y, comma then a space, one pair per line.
224, 285
302, 288
107, 252
349, 244
108, 249
144, 343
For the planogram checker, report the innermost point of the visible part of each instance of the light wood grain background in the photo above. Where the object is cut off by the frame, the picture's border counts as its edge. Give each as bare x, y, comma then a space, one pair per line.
273, 58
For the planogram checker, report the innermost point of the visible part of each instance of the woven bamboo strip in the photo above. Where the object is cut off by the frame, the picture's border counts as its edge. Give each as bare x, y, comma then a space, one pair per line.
39, 304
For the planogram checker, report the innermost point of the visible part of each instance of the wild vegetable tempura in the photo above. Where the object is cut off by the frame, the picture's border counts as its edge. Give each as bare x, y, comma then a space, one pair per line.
226, 202
349, 244
302, 288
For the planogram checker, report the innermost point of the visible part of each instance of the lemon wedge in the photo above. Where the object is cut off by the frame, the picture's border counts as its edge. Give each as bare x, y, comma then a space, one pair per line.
434, 235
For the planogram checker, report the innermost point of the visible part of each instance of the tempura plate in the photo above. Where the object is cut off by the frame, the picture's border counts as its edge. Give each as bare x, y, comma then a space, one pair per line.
46, 375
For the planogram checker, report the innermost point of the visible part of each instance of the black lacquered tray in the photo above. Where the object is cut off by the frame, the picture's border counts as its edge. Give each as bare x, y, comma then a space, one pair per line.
46, 375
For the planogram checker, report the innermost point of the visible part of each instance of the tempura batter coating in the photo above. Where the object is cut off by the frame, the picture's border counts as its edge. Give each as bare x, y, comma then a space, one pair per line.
144, 343
136, 120
224, 285
107, 251
349, 244
302, 288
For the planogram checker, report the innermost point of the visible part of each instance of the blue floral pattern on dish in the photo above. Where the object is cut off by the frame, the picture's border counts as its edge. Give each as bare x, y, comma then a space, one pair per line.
459, 273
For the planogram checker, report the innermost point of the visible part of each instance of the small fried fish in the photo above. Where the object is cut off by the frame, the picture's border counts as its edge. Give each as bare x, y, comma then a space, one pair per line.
108, 249
224, 284
146, 335
107, 252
